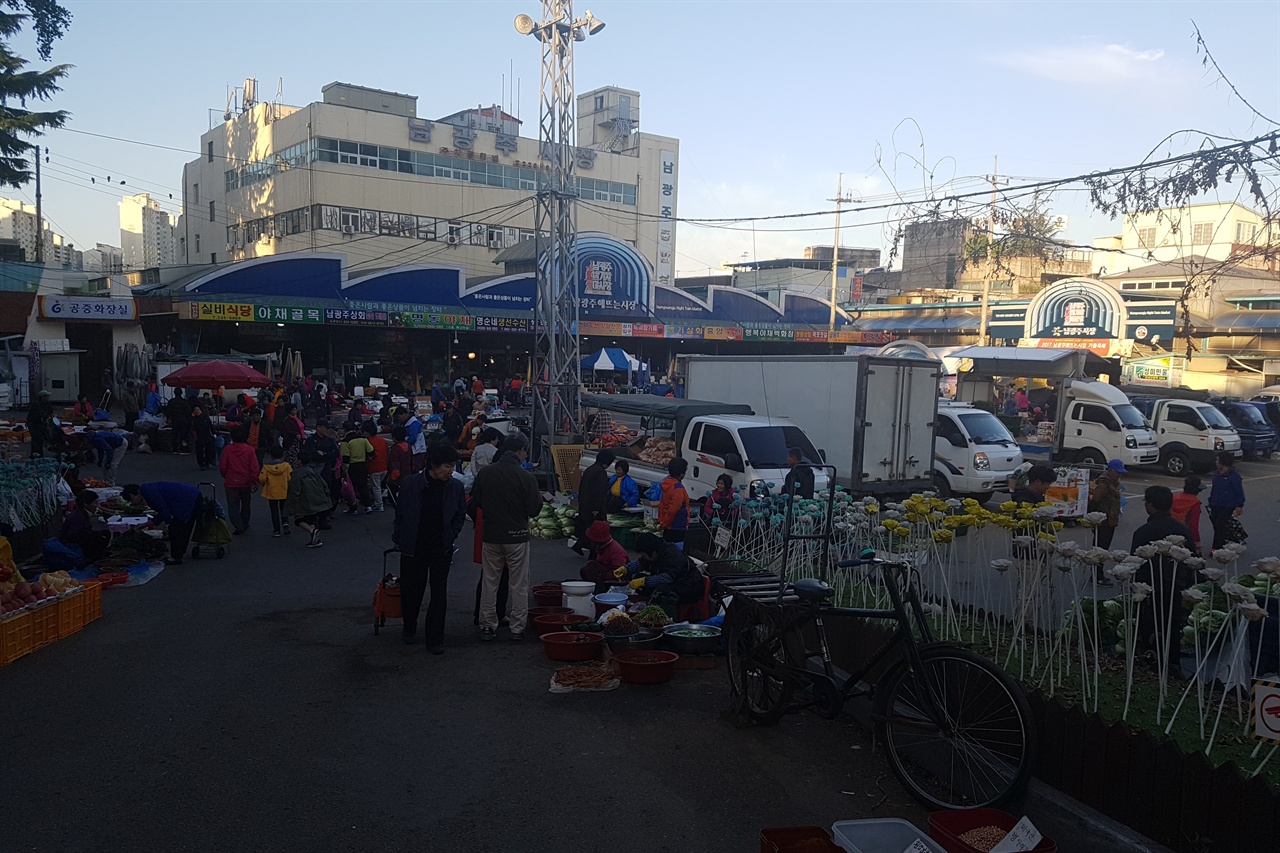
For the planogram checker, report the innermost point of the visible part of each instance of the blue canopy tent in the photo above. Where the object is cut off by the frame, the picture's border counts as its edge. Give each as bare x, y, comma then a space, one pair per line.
614, 358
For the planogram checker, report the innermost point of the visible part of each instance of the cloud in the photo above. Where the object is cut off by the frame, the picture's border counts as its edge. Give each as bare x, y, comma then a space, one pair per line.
1086, 64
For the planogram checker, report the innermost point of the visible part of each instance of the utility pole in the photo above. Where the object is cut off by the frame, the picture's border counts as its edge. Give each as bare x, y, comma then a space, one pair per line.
840, 199
994, 180
39, 213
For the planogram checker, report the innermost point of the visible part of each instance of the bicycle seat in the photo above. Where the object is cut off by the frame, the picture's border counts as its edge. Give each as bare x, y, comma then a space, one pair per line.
812, 589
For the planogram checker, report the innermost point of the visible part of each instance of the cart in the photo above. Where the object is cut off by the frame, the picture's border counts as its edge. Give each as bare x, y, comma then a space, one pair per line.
210, 534
386, 598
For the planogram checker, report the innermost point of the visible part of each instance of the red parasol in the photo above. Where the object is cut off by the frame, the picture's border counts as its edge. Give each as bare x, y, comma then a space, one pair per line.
216, 374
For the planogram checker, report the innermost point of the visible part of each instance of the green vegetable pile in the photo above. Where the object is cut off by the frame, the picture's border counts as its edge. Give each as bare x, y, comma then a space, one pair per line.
553, 523
136, 545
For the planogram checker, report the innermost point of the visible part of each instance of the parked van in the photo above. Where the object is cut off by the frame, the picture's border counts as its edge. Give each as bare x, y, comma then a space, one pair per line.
1191, 434
1099, 424
974, 453
1257, 436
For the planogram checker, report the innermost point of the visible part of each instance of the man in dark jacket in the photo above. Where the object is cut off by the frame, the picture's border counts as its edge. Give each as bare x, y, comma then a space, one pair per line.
662, 566
508, 496
322, 446
593, 491
800, 478
452, 425
431, 508
1167, 577
175, 504
178, 411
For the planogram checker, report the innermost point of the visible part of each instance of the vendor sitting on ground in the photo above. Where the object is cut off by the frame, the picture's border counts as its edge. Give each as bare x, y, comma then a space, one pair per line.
607, 556
663, 567
82, 529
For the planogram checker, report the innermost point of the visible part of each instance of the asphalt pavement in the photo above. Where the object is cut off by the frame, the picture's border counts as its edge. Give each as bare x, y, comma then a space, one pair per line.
245, 704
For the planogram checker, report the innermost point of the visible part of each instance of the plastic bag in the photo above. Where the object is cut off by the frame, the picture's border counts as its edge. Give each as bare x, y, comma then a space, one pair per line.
654, 492
60, 555
348, 489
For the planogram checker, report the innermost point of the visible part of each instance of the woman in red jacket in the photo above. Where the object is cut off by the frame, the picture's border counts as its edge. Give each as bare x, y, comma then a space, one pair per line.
607, 556
239, 468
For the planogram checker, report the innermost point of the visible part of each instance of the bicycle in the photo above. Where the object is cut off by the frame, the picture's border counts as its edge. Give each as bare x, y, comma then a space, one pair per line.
957, 730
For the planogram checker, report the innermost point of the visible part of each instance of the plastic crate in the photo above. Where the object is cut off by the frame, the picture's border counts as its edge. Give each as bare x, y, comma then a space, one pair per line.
786, 838
947, 827
15, 637
44, 624
879, 835
71, 614
92, 596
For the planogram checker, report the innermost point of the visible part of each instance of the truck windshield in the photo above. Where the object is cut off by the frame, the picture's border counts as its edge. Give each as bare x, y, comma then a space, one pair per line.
766, 446
985, 428
1214, 418
1131, 417
1248, 415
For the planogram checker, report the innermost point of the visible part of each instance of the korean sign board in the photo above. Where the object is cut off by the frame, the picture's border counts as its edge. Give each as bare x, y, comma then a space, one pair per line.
287, 314
220, 311
431, 320
354, 317
87, 308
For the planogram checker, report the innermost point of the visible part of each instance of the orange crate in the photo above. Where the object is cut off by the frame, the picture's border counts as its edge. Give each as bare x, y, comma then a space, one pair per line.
70, 614
44, 625
15, 637
92, 596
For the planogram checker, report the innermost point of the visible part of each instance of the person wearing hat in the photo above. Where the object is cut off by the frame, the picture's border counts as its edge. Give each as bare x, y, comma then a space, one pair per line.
1104, 496
40, 422
607, 556
593, 490
1186, 508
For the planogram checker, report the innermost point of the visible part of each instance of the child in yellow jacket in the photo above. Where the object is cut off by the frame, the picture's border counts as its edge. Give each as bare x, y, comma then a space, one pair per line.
275, 488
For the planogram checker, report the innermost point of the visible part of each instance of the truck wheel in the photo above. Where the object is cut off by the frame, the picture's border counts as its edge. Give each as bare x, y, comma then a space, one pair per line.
941, 486
1176, 464
1091, 457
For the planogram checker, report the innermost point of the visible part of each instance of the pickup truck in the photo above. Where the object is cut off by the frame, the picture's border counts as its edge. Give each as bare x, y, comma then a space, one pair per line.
715, 438
1191, 433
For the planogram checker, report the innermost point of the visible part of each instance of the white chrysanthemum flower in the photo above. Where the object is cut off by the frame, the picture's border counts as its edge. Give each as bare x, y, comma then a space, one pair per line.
1175, 539
1133, 560
1224, 556
1002, 565
1023, 541
954, 503
1192, 597
1122, 573
1119, 555
1267, 566
1095, 517
1140, 591
1195, 563
1044, 546
1251, 611
1179, 553
1067, 548
1146, 552
1214, 575
1238, 592
1162, 546
1044, 513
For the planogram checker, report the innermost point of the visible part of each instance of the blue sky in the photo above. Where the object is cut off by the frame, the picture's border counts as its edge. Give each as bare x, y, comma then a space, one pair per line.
769, 100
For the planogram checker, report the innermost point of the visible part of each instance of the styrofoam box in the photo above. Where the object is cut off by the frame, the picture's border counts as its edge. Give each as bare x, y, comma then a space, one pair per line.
881, 835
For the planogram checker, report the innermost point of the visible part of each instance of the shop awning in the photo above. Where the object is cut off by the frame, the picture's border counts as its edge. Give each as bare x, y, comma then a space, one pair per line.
1243, 322
918, 324
611, 358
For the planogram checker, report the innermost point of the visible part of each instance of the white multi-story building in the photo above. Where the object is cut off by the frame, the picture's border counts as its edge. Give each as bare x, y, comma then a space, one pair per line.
146, 233
18, 222
1212, 232
359, 172
104, 258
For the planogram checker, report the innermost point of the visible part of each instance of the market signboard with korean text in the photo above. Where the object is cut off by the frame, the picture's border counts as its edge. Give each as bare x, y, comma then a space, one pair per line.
643, 330
502, 324
287, 314
722, 333
354, 317
430, 320
1076, 313
220, 311
87, 308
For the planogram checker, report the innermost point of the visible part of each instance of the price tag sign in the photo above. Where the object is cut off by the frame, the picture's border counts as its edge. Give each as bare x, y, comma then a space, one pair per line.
1021, 838
917, 846
722, 537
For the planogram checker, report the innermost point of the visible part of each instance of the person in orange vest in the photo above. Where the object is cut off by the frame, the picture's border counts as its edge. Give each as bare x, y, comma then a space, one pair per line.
1187, 508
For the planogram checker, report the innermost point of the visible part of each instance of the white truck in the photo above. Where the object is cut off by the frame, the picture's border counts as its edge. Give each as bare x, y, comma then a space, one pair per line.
872, 417
1191, 433
715, 438
974, 453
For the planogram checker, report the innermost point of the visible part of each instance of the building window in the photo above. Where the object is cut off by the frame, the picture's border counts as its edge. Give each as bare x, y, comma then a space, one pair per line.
1245, 232
599, 102
1202, 233
211, 214
1144, 285
210, 151
197, 242
350, 219
195, 193
213, 257
1147, 238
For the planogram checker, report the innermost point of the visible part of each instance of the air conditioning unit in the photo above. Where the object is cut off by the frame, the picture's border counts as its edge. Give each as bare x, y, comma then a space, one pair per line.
453, 239
495, 243
348, 229
279, 233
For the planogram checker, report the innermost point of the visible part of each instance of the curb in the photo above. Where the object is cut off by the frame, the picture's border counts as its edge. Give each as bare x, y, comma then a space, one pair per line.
1074, 826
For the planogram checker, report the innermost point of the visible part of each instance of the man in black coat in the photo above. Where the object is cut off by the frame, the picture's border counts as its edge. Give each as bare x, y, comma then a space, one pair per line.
593, 492
800, 478
430, 510
1167, 578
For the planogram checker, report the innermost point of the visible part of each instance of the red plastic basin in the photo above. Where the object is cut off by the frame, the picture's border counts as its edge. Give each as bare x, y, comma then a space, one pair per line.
554, 622
548, 596
645, 667
535, 612
572, 645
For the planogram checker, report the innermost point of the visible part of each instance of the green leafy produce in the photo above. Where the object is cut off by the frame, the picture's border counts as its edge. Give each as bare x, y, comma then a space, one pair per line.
652, 616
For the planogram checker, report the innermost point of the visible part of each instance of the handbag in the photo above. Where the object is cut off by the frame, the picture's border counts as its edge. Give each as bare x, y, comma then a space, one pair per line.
1235, 530
348, 489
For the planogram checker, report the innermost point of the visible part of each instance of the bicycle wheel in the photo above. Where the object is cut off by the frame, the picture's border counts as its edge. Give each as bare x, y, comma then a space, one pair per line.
958, 732
756, 665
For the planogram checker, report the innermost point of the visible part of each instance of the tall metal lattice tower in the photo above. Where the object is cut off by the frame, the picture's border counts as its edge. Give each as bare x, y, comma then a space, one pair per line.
557, 371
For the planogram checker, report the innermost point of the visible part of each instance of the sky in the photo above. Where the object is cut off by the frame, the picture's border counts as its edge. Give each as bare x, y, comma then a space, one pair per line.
770, 101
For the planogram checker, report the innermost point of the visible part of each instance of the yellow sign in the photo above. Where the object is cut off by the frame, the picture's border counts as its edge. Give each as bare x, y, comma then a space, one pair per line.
220, 311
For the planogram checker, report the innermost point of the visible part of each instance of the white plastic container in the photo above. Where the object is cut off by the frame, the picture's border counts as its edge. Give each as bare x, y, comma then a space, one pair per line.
577, 596
879, 836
